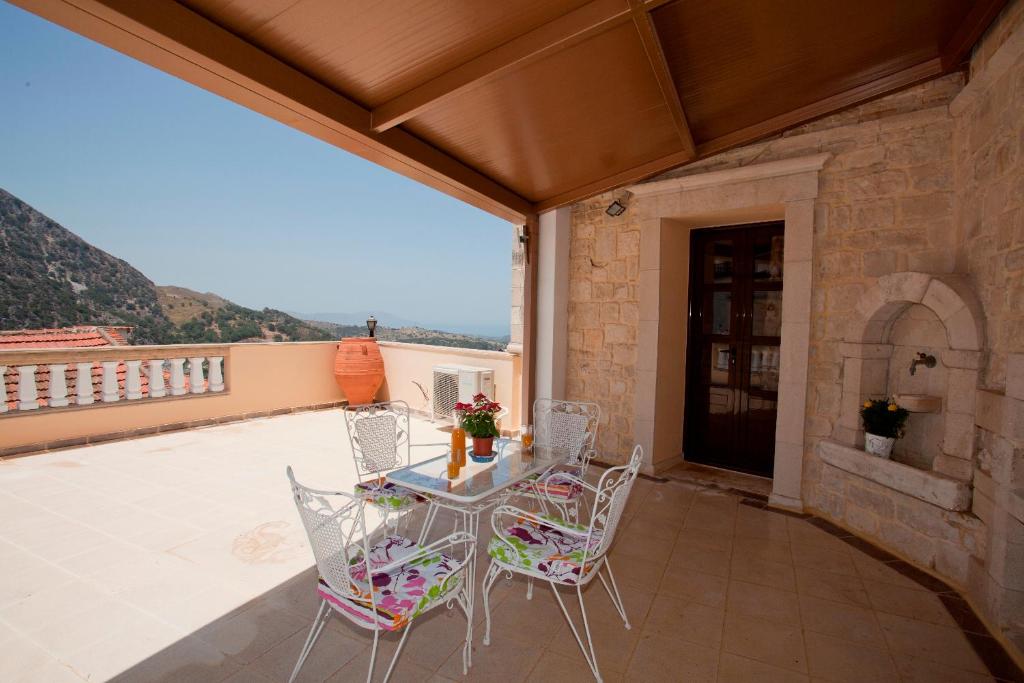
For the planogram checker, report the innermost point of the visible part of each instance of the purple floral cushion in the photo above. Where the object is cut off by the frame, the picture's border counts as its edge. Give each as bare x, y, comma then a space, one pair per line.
383, 493
544, 550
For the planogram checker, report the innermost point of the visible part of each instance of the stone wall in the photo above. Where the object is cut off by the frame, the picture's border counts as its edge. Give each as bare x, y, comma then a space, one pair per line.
603, 318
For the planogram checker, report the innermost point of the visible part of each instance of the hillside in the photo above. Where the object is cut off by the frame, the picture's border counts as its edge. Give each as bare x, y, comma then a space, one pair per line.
414, 335
50, 277
207, 317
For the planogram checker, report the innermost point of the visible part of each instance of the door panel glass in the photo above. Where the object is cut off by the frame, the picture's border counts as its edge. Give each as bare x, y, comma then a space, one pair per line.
768, 258
764, 367
720, 364
766, 314
721, 313
718, 262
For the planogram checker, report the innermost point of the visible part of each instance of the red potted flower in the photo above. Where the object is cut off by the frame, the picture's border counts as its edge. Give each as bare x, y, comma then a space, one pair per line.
477, 418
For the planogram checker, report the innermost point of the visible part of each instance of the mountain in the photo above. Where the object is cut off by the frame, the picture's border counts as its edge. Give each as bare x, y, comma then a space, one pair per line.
50, 277
359, 318
202, 318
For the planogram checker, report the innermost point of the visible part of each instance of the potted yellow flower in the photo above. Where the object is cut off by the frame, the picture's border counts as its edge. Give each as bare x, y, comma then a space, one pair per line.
884, 422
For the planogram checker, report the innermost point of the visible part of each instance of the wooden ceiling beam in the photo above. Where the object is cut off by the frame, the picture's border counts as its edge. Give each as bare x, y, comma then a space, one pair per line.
656, 56
565, 31
958, 48
829, 105
172, 38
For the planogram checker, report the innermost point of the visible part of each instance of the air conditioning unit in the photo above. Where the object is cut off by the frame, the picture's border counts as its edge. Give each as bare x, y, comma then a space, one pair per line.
459, 384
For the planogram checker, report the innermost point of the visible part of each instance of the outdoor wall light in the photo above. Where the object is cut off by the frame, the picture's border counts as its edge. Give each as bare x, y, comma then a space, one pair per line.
616, 208
371, 324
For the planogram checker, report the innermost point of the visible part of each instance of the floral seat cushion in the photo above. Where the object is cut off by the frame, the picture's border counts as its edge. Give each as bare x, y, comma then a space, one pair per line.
544, 550
401, 593
557, 489
383, 493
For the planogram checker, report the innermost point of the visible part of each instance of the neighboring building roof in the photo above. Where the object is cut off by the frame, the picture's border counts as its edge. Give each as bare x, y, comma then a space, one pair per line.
65, 337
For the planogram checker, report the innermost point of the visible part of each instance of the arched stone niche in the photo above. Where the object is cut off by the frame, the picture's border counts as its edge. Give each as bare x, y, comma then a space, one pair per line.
902, 313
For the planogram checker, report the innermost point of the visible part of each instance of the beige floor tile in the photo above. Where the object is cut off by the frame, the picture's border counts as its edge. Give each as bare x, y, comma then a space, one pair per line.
908, 602
763, 549
840, 660
735, 669
831, 586
186, 661
710, 519
763, 572
821, 558
872, 570
755, 523
764, 602
702, 538
80, 630
689, 662
21, 658
50, 672
930, 641
502, 660
849, 622
252, 632
917, 670
686, 584
405, 671
51, 605
556, 667
533, 622
701, 559
613, 643
685, 620
643, 548
771, 643
331, 652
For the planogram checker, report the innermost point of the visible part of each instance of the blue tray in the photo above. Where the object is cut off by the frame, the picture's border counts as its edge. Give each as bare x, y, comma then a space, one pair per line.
483, 458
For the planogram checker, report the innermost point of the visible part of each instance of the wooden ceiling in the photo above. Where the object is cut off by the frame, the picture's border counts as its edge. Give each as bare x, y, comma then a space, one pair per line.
519, 106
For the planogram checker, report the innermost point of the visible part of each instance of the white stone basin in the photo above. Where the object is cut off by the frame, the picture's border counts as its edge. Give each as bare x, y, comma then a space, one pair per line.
920, 403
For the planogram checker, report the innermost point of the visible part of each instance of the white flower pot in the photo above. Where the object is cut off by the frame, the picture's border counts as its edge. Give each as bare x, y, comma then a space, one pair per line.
878, 445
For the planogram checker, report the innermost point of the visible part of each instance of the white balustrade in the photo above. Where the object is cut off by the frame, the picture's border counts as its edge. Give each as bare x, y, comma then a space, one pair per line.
28, 399
83, 384
216, 373
109, 388
67, 367
195, 375
58, 385
132, 380
177, 376
156, 379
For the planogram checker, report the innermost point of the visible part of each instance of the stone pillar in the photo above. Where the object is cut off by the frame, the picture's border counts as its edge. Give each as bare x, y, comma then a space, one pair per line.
216, 373
177, 376
58, 386
132, 380
156, 378
109, 389
28, 399
83, 384
197, 385
552, 302
515, 342
3, 389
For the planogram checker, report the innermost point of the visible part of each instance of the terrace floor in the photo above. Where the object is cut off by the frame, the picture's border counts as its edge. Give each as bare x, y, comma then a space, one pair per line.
180, 557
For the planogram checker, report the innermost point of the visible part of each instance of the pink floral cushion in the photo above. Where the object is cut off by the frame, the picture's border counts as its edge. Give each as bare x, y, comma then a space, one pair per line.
544, 550
401, 593
557, 489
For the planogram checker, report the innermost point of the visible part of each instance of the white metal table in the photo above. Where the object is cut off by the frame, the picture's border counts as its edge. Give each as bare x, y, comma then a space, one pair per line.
476, 488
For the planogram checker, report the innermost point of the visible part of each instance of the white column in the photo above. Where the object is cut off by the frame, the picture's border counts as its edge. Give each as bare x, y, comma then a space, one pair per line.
58, 386
552, 284
109, 389
195, 375
3, 389
156, 378
132, 380
177, 376
216, 373
83, 384
28, 399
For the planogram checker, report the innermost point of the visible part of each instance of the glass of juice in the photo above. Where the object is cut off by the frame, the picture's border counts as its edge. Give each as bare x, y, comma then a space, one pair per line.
526, 434
453, 467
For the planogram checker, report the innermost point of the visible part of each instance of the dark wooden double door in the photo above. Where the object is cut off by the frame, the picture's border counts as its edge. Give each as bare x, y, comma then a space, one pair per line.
735, 327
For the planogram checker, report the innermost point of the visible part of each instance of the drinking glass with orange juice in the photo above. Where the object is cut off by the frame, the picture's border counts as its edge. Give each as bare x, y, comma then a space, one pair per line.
526, 434
459, 443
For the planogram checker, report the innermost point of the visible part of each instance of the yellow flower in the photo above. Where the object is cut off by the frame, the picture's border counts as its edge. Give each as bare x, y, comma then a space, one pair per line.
893, 407
867, 404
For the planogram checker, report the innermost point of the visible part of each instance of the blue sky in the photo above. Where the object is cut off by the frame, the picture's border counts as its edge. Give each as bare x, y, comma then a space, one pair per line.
196, 191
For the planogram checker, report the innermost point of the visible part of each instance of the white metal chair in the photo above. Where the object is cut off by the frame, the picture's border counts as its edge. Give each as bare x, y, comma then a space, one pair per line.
382, 586
572, 426
379, 436
562, 553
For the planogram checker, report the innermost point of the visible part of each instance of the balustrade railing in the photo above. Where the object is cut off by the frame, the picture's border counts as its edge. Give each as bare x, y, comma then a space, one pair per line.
66, 378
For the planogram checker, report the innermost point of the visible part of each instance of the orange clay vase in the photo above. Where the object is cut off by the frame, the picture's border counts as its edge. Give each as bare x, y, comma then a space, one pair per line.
359, 369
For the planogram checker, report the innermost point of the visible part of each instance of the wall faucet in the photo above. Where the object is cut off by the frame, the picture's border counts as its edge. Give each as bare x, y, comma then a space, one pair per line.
924, 359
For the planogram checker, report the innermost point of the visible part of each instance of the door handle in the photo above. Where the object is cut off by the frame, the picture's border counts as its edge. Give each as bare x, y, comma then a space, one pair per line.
732, 355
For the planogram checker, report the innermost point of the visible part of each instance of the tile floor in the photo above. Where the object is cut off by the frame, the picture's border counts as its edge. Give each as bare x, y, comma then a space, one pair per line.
180, 557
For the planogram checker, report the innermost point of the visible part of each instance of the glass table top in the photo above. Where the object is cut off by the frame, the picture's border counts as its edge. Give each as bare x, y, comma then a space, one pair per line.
477, 481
